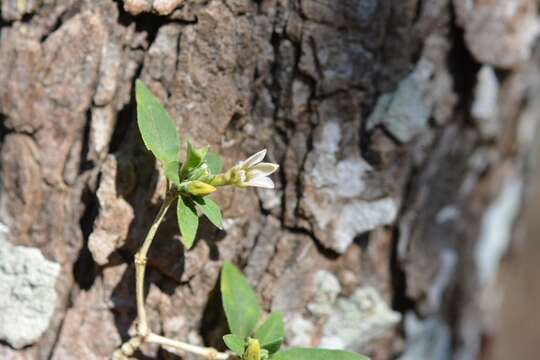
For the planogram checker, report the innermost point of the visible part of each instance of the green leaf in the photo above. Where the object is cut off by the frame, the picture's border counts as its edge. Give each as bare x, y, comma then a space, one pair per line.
316, 354
271, 333
274, 346
156, 126
235, 343
188, 220
195, 157
239, 301
214, 162
172, 171
211, 210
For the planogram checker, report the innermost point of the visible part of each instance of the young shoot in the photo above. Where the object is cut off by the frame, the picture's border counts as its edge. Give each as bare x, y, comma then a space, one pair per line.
190, 181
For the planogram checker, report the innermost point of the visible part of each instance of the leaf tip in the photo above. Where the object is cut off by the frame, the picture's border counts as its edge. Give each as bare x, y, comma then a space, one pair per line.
227, 264
139, 85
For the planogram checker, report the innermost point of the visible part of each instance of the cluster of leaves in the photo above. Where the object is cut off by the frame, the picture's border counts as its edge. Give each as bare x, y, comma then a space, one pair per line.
161, 138
252, 342
190, 183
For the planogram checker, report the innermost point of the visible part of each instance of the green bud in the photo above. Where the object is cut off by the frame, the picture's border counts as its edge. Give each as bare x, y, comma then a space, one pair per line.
199, 188
201, 173
253, 350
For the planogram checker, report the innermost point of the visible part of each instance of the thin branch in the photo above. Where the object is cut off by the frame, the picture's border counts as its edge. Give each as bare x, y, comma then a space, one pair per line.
209, 353
140, 264
143, 333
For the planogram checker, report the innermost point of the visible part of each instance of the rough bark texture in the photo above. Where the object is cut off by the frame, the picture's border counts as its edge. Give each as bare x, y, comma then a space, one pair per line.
401, 127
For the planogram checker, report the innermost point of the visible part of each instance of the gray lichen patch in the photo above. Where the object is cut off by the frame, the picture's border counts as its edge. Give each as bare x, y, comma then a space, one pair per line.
270, 198
357, 320
484, 107
362, 216
405, 113
341, 179
340, 195
496, 228
27, 294
447, 269
328, 289
427, 339
300, 331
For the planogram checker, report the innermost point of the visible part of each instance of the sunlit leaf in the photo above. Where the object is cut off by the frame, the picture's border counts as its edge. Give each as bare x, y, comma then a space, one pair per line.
235, 343
194, 157
239, 302
172, 171
273, 346
316, 354
211, 210
270, 334
214, 162
156, 126
188, 220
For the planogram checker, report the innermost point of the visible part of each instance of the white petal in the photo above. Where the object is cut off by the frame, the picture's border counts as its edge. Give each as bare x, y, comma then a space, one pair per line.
263, 182
263, 169
254, 159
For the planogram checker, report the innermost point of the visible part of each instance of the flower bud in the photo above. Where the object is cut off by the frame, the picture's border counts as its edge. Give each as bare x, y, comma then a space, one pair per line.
199, 188
253, 350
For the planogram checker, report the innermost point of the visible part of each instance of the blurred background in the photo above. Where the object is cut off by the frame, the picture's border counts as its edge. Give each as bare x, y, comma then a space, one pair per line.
403, 223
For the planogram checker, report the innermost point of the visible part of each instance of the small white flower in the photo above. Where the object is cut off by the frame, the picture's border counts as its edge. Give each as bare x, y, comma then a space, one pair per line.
253, 172
250, 172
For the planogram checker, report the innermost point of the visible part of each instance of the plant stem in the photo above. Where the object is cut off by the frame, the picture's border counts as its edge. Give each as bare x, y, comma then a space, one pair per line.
209, 353
143, 333
140, 265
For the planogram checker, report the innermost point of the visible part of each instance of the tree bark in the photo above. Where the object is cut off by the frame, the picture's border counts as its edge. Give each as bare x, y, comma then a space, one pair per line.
402, 129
